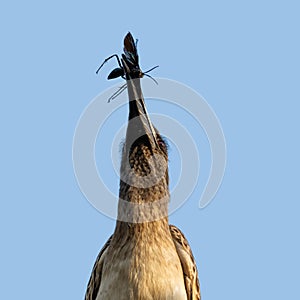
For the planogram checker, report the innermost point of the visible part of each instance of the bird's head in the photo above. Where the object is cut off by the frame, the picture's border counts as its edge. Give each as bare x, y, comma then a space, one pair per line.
145, 151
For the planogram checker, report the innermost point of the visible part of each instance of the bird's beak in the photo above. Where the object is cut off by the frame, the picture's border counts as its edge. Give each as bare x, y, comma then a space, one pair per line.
138, 116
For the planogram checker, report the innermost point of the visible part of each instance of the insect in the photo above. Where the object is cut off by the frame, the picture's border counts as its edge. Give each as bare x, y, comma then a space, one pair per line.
128, 65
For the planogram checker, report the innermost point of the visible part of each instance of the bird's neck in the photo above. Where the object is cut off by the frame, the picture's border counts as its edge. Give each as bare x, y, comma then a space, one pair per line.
125, 231
142, 210
144, 187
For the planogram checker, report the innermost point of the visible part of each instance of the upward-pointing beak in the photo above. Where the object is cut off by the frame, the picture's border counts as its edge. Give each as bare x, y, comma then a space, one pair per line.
138, 115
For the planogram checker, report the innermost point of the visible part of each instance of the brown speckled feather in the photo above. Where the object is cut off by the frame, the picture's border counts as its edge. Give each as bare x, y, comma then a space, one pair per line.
95, 279
187, 260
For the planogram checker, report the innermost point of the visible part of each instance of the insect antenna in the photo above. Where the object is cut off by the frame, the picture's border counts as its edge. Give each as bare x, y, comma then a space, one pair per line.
151, 69
145, 73
151, 78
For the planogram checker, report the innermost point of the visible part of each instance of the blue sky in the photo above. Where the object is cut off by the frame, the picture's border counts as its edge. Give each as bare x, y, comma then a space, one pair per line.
242, 57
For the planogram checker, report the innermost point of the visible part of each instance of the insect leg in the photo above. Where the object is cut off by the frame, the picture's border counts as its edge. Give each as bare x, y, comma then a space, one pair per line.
118, 92
107, 59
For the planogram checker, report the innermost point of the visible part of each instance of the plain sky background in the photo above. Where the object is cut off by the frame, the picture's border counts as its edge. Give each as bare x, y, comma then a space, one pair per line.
241, 56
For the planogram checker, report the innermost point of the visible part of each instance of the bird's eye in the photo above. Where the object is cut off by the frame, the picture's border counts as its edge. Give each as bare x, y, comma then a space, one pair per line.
162, 144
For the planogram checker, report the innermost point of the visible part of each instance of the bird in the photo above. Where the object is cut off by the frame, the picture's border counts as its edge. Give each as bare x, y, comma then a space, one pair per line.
145, 257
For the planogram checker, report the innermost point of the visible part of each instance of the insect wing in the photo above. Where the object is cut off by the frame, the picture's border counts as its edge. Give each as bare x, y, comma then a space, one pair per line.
130, 50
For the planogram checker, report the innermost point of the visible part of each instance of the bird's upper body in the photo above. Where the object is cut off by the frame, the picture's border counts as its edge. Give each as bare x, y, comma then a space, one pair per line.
145, 258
